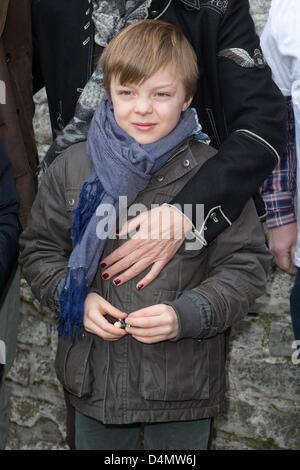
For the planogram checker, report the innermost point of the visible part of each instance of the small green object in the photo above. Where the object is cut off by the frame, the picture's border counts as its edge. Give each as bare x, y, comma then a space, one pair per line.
121, 324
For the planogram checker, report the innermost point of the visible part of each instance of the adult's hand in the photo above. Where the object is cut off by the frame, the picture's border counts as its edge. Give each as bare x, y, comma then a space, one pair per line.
94, 321
282, 243
153, 324
159, 233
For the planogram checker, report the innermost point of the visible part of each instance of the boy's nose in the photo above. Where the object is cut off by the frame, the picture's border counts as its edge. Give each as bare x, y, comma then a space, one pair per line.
143, 106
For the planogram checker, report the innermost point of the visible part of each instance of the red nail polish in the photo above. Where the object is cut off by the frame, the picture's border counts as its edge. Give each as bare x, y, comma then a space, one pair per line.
117, 282
103, 265
105, 276
140, 286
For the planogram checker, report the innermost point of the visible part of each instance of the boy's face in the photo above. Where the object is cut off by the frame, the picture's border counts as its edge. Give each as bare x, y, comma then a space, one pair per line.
151, 110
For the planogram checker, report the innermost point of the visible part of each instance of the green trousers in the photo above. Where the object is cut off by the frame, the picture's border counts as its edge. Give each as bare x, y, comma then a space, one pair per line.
9, 321
184, 435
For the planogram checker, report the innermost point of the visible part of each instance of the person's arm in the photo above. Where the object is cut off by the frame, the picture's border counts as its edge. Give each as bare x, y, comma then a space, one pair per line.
9, 224
280, 187
46, 242
278, 192
255, 115
238, 263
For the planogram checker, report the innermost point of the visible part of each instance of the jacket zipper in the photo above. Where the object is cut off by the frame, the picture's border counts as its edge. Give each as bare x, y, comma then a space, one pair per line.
60, 121
164, 10
213, 125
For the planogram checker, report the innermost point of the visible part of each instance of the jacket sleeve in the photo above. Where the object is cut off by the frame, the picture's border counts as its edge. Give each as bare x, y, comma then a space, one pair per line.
46, 242
9, 224
280, 187
255, 116
238, 261
277, 42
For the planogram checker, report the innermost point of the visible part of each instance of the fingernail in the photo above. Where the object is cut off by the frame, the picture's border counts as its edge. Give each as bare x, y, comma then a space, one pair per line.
103, 265
117, 282
105, 276
140, 286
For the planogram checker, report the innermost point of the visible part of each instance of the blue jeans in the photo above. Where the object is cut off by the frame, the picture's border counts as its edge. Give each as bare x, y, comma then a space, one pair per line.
295, 306
185, 435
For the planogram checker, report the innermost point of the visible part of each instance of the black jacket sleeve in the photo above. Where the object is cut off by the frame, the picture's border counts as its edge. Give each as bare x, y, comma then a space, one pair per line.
9, 225
255, 115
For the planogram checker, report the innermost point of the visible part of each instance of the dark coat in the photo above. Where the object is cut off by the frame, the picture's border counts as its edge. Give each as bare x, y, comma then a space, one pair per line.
240, 107
9, 225
16, 131
127, 381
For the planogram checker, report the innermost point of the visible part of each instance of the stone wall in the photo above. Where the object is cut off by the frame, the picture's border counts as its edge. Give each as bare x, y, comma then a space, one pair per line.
263, 400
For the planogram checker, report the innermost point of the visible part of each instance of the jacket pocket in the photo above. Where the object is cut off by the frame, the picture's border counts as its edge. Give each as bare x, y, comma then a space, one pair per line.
175, 371
72, 365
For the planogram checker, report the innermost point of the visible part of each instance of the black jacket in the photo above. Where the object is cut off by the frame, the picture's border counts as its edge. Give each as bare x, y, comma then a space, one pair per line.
9, 225
239, 106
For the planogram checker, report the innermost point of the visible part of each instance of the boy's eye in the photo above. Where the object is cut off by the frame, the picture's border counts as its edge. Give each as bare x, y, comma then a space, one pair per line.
125, 92
162, 94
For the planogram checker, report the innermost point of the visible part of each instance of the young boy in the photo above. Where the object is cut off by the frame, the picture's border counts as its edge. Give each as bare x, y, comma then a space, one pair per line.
164, 372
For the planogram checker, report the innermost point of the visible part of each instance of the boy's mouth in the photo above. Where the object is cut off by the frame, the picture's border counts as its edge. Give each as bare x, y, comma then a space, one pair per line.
144, 126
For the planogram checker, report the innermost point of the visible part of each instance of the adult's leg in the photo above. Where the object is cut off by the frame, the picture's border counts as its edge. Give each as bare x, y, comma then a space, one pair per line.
70, 422
9, 321
295, 306
182, 435
93, 435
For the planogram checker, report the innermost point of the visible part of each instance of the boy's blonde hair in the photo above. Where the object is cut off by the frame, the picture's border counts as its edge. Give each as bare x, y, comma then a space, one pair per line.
145, 47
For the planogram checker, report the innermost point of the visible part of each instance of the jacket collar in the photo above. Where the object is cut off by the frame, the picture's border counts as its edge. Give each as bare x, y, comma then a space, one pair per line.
182, 162
158, 6
3, 13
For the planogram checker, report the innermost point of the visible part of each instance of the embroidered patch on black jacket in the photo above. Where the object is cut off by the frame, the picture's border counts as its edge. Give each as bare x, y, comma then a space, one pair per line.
243, 58
218, 5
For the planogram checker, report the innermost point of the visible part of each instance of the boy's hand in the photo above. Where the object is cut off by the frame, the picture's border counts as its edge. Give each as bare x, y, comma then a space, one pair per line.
153, 324
94, 321
160, 234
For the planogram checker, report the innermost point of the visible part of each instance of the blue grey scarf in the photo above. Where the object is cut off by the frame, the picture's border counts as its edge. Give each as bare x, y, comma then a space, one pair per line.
122, 167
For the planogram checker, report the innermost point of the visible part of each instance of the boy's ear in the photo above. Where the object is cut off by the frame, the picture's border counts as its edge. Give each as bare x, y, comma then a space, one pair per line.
186, 104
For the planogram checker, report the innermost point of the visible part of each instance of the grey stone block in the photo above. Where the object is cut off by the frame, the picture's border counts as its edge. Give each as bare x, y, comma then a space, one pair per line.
281, 339
275, 378
259, 423
32, 330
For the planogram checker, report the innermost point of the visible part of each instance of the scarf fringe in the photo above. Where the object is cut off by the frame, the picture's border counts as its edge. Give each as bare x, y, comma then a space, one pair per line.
71, 303
89, 199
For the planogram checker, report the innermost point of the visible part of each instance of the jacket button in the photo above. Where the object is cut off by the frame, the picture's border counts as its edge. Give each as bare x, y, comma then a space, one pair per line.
160, 178
8, 57
186, 163
72, 202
